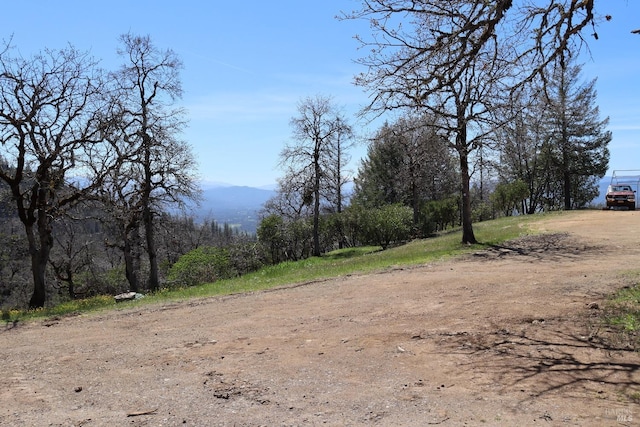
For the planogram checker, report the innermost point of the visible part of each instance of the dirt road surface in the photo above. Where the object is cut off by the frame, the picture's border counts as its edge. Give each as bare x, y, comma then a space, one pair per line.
507, 336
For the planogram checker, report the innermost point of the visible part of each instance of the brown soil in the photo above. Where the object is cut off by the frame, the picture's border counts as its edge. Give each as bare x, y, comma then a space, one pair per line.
506, 336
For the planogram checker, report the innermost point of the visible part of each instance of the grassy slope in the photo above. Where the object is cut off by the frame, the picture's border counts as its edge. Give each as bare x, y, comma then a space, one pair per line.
334, 264
623, 308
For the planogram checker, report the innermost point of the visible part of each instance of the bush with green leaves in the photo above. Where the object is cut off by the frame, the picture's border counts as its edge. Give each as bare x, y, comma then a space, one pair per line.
508, 197
246, 257
285, 239
352, 224
483, 210
390, 224
205, 264
272, 236
332, 232
440, 214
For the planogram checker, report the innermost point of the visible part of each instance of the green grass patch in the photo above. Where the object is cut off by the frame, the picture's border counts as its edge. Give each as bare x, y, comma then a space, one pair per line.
334, 264
622, 312
629, 321
624, 309
67, 308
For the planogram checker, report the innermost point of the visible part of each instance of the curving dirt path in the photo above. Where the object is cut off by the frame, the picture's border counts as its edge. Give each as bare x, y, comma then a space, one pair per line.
506, 336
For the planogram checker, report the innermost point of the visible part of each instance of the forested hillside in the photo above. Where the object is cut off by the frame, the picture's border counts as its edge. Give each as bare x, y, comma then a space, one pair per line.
238, 206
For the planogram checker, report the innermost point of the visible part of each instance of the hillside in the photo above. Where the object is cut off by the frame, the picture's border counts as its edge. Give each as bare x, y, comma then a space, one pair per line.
508, 335
238, 206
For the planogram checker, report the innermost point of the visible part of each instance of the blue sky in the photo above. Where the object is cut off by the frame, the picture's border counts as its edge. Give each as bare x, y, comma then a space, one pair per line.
247, 64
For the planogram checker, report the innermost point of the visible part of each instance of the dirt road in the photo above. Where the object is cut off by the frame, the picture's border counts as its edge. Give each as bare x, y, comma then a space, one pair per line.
502, 337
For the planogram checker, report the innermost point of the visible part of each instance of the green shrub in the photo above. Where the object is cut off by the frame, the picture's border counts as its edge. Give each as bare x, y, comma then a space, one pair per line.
508, 197
439, 214
205, 264
386, 225
272, 236
245, 257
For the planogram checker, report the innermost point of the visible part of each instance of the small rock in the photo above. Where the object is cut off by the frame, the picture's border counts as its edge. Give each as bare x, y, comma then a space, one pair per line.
546, 416
128, 296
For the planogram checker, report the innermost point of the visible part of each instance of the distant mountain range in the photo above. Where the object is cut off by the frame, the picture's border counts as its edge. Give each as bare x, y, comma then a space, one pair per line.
238, 206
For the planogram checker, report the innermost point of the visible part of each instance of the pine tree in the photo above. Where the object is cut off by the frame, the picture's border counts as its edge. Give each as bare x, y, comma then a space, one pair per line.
577, 141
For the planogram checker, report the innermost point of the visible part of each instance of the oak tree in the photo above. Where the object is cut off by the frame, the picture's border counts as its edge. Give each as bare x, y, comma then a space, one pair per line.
158, 168
51, 131
456, 57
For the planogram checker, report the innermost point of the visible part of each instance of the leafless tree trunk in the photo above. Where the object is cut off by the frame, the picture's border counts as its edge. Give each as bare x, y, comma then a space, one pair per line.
337, 176
51, 126
159, 168
131, 248
316, 130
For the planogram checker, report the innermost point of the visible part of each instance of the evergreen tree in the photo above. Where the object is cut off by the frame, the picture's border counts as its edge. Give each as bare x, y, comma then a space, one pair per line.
578, 141
408, 162
376, 184
557, 144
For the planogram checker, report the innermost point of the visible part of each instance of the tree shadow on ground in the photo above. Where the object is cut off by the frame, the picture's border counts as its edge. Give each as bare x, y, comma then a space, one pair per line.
351, 253
543, 361
549, 247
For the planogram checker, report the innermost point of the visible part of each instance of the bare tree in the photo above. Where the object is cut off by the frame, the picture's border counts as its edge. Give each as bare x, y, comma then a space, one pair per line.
317, 130
437, 70
159, 168
75, 252
337, 174
291, 199
455, 57
122, 218
51, 130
